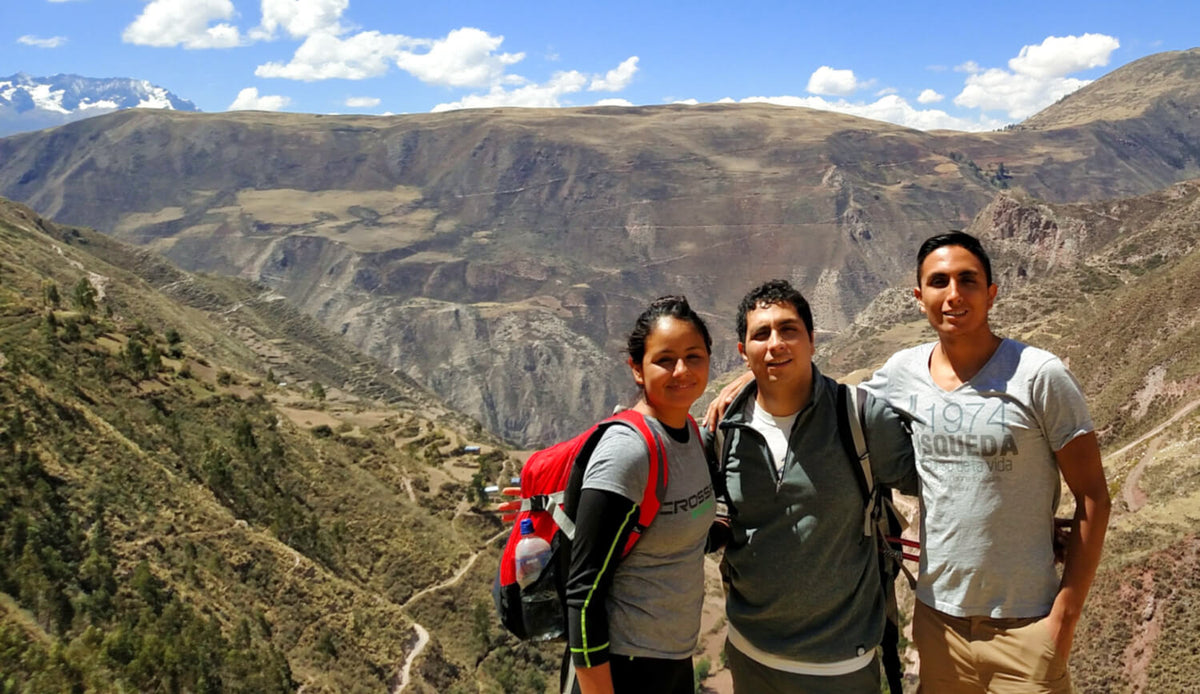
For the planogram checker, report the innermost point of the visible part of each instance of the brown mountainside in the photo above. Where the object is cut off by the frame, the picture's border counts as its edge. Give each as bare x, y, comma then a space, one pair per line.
1163, 81
499, 256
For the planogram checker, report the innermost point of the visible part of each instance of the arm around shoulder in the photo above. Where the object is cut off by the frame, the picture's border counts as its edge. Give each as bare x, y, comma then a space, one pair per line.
889, 439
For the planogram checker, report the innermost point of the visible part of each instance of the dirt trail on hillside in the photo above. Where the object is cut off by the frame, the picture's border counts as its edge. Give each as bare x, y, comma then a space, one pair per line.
1179, 414
1131, 492
458, 575
403, 676
405, 672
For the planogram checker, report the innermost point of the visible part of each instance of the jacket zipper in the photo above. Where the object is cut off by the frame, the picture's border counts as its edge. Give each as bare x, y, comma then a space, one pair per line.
776, 473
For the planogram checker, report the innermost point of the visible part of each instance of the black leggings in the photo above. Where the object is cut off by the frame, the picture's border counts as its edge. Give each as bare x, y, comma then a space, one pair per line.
643, 675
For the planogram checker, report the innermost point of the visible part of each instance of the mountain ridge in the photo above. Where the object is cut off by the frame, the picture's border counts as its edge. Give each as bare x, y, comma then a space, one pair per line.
1125, 93
529, 237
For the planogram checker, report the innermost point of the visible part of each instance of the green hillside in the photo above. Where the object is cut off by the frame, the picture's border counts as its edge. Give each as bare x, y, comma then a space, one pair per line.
173, 520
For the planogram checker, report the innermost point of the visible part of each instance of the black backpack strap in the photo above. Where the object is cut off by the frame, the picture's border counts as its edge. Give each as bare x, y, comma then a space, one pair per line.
570, 493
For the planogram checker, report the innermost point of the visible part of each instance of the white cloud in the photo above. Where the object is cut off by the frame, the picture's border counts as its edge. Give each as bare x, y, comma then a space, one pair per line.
616, 79
528, 96
187, 23
324, 56
890, 108
887, 90
928, 96
362, 102
1019, 96
482, 66
1038, 77
38, 42
465, 58
828, 81
300, 18
249, 100
1059, 56
693, 102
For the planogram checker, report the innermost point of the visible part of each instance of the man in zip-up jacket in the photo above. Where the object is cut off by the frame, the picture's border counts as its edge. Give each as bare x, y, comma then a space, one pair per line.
805, 603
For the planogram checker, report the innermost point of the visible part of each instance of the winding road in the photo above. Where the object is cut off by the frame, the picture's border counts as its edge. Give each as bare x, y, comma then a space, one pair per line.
404, 675
1131, 492
422, 642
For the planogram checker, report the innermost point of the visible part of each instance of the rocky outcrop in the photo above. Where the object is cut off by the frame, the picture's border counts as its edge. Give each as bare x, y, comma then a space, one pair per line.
520, 370
1030, 238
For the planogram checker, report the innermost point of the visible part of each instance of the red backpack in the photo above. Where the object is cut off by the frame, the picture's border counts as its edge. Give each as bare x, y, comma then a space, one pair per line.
550, 485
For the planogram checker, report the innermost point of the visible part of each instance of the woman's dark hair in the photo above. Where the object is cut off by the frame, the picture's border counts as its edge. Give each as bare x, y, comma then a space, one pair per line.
674, 306
955, 238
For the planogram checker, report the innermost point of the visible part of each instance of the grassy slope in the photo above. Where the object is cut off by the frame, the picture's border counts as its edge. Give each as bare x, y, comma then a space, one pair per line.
179, 524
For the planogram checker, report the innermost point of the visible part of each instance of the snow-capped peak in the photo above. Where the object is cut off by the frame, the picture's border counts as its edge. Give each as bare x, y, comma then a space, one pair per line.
33, 103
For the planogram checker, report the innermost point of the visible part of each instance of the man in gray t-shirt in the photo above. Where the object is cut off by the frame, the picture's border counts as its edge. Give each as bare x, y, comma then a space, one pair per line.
989, 476
994, 423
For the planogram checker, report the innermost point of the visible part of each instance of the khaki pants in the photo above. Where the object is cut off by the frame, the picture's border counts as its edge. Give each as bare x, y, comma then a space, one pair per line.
982, 655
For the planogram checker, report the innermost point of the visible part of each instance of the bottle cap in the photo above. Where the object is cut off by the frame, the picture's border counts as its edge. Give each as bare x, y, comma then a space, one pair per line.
527, 526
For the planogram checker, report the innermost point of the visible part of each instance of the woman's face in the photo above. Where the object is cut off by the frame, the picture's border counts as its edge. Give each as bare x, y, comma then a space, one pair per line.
674, 370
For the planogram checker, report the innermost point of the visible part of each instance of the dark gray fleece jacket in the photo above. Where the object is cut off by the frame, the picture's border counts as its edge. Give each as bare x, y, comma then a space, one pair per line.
803, 582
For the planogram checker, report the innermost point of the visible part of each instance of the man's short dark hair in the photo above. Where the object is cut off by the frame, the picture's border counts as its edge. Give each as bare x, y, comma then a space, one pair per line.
771, 293
955, 238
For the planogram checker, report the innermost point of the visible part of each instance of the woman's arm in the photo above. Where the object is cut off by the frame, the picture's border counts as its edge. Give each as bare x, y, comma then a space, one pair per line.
602, 526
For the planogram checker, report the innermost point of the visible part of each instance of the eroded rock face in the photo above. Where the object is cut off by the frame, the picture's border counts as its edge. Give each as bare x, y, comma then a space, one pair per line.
1031, 238
523, 372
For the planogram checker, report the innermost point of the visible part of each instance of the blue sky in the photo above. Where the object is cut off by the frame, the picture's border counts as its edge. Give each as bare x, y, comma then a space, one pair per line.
974, 66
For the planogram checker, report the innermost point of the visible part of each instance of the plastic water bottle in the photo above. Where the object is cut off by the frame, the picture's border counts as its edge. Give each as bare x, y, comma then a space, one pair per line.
532, 554
540, 607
